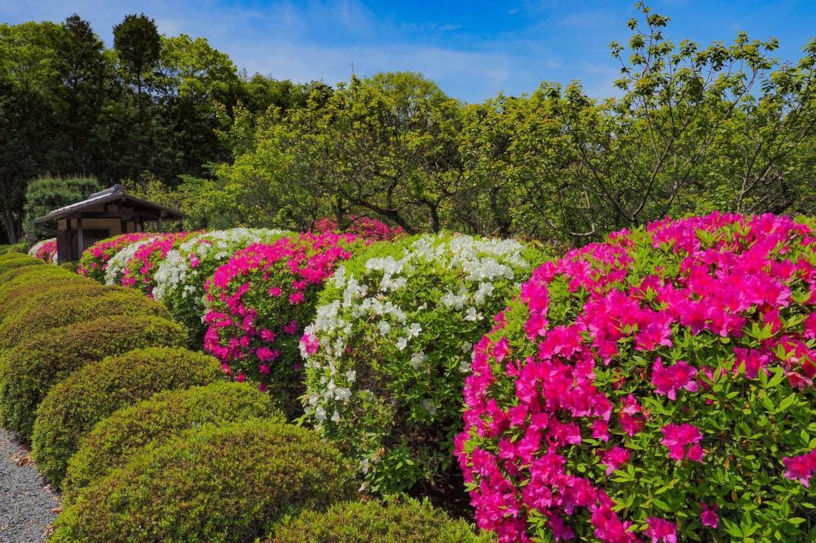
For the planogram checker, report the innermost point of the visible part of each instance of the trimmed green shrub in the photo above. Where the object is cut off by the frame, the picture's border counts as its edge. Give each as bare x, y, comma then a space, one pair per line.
32, 272
92, 393
33, 366
25, 295
17, 248
42, 315
376, 522
115, 439
389, 349
220, 484
18, 262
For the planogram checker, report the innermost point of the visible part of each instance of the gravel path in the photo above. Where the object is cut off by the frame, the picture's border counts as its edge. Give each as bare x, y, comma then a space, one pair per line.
27, 505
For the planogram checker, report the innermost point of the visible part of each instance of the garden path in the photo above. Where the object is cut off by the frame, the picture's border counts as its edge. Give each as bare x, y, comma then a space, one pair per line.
28, 506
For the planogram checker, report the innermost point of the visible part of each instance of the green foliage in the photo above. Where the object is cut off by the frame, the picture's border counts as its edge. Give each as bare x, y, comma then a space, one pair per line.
46, 194
376, 522
236, 481
114, 440
12, 261
14, 249
41, 314
17, 296
92, 393
33, 366
138, 44
31, 273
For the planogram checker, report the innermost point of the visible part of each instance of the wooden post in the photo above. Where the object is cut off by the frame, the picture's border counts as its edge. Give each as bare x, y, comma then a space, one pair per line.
159, 222
80, 238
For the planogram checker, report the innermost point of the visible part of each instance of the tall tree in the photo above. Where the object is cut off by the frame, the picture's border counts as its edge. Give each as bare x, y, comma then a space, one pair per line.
136, 40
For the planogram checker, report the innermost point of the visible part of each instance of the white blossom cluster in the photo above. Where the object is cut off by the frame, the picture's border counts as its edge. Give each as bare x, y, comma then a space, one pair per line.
176, 276
118, 262
379, 304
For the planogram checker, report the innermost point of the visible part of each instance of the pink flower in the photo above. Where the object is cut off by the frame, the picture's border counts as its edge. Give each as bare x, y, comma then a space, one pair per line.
667, 381
682, 441
310, 343
661, 530
614, 458
291, 328
296, 298
709, 516
800, 468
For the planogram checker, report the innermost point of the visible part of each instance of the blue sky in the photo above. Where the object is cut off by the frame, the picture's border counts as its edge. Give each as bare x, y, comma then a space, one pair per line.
471, 49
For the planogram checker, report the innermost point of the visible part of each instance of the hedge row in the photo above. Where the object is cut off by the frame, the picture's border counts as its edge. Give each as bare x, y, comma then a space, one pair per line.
38, 362
136, 426
90, 394
115, 439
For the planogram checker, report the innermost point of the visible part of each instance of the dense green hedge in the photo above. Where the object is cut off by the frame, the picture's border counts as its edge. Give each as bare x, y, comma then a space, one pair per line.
33, 366
220, 484
31, 272
17, 248
92, 393
41, 315
115, 439
28, 294
376, 522
7, 264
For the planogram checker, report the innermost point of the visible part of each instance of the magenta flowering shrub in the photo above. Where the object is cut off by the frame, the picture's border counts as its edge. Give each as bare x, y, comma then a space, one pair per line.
364, 227
141, 267
45, 250
259, 302
94, 260
656, 387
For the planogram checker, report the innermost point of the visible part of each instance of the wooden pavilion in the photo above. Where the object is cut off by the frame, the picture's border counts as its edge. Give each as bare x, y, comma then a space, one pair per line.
103, 214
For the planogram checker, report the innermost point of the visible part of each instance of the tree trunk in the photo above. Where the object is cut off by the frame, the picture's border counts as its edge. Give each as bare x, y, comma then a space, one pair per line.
11, 230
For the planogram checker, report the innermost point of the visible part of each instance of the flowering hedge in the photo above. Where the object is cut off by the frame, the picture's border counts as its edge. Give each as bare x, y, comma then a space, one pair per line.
259, 301
181, 275
140, 268
388, 350
658, 385
365, 227
45, 250
117, 264
94, 260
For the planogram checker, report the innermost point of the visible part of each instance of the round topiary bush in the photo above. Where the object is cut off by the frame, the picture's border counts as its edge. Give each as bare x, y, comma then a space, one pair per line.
39, 315
181, 275
22, 296
259, 301
114, 440
31, 272
376, 522
388, 351
92, 393
220, 484
8, 264
33, 366
142, 266
94, 260
657, 385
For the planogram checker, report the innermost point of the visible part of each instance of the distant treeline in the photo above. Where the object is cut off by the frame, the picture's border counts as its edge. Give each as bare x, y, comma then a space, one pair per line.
692, 129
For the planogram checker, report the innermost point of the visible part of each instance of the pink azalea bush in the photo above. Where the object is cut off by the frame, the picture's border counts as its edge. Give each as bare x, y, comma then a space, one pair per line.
656, 387
94, 260
259, 302
141, 268
45, 250
364, 227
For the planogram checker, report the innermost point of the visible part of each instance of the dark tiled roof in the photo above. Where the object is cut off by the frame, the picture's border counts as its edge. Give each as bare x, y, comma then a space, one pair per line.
112, 194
